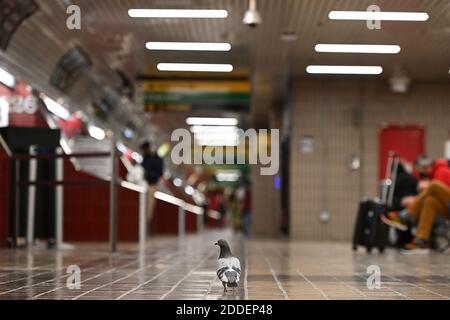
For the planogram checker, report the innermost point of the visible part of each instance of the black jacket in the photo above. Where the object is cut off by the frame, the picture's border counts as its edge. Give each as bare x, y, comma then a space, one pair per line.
405, 185
153, 166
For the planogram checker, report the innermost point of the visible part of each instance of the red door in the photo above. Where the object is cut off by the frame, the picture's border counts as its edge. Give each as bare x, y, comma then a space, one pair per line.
407, 141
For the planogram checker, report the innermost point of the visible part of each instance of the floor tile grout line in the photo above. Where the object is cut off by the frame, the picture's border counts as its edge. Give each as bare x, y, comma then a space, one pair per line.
309, 281
411, 274
210, 286
47, 272
389, 288
313, 284
28, 270
30, 277
125, 277
35, 284
85, 280
143, 284
277, 281
185, 277
345, 284
246, 261
415, 285
385, 286
18, 270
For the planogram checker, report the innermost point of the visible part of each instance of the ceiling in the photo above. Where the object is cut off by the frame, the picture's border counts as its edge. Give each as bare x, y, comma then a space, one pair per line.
114, 40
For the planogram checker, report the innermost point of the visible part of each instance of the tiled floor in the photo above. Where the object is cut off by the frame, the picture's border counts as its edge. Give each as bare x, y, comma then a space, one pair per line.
169, 269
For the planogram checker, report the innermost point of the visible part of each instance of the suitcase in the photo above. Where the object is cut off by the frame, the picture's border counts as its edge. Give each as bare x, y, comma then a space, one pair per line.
370, 231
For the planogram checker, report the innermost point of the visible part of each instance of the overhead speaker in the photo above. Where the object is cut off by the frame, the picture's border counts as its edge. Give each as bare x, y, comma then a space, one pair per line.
12, 14
69, 68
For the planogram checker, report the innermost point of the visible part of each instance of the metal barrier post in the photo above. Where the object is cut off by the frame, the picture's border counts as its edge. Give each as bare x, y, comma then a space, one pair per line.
113, 199
31, 212
16, 230
143, 199
59, 200
181, 223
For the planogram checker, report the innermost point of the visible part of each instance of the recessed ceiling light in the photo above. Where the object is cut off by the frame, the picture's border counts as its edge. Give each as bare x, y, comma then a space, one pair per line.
96, 132
375, 15
199, 121
288, 36
358, 48
177, 13
314, 69
188, 46
195, 67
214, 129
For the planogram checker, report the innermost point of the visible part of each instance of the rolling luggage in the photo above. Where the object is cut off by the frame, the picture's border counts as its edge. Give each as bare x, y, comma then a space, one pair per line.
370, 231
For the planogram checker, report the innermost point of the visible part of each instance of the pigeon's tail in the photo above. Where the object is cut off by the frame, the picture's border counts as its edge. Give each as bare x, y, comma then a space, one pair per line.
232, 277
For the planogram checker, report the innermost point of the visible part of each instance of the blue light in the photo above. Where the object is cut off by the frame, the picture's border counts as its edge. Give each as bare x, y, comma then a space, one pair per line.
277, 182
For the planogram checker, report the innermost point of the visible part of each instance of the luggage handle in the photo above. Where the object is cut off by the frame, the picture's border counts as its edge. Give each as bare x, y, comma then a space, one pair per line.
391, 177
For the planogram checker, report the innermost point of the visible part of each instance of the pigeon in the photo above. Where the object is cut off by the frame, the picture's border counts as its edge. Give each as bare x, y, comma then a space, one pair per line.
228, 267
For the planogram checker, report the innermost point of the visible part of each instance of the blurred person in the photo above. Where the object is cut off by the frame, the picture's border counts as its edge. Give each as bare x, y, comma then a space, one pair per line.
153, 167
235, 208
433, 200
247, 211
136, 173
406, 185
222, 210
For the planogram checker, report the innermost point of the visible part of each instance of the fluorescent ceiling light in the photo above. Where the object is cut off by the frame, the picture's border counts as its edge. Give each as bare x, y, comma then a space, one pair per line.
217, 143
374, 15
177, 13
214, 129
193, 121
344, 69
217, 136
189, 46
96, 132
7, 78
56, 108
358, 48
195, 67
228, 176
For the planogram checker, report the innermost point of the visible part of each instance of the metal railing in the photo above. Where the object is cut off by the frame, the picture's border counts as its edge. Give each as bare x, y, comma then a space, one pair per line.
58, 183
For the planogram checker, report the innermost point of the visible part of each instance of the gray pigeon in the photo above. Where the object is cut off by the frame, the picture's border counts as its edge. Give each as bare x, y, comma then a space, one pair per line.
228, 267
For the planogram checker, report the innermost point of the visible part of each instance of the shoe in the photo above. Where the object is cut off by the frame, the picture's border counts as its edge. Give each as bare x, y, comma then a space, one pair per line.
416, 248
393, 219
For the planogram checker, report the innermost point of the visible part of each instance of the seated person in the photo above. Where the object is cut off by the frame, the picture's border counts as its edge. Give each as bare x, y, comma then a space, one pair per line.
405, 186
434, 199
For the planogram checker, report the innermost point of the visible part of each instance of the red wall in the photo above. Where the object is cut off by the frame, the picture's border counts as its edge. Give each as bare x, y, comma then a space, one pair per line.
4, 194
86, 210
407, 141
165, 219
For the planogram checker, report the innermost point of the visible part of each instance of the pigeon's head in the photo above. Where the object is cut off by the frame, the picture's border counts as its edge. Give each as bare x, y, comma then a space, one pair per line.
224, 248
222, 243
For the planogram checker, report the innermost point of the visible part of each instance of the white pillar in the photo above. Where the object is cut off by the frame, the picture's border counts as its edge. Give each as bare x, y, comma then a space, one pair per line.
59, 200
31, 198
